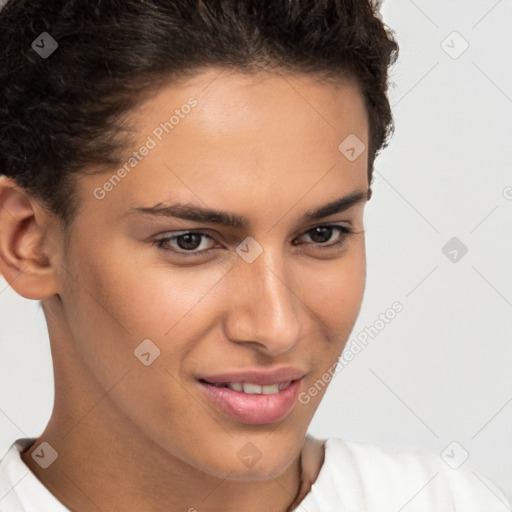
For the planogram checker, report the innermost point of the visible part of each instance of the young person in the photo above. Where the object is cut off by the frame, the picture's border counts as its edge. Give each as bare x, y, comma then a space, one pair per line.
184, 187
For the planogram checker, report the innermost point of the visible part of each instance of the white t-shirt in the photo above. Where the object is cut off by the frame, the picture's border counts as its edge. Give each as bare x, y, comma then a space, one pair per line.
355, 477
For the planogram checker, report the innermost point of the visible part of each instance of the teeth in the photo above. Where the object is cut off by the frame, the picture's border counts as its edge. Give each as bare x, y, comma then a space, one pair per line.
254, 389
270, 390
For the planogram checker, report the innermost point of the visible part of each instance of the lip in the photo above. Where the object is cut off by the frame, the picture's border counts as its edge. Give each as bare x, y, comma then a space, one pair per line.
260, 377
257, 409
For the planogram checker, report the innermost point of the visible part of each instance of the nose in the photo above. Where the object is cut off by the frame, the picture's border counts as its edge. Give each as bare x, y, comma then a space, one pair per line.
263, 309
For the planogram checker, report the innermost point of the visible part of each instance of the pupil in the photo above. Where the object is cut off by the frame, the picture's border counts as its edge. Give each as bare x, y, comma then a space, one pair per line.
322, 231
189, 241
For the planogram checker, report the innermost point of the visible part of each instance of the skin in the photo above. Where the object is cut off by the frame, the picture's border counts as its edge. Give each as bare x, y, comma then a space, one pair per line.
136, 437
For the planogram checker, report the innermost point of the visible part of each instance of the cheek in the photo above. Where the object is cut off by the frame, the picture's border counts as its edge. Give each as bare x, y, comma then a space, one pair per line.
140, 294
118, 306
337, 289
336, 298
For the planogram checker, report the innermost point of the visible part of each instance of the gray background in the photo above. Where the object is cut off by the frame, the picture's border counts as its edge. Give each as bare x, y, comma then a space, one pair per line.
440, 371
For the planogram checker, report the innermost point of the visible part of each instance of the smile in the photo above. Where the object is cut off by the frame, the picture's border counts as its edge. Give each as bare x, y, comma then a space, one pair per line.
249, 402
250, 388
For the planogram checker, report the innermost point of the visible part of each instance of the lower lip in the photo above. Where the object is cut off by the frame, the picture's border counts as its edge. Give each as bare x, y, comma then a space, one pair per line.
254, 409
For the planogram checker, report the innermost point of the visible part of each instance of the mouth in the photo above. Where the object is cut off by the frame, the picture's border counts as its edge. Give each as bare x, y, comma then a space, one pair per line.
250, 388
251, 402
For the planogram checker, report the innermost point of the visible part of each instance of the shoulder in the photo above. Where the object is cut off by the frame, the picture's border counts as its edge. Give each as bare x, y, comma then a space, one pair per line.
366, 477
20, 490
11, 474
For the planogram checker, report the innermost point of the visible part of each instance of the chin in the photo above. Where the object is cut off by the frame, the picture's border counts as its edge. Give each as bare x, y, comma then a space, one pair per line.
260, 471
251, 464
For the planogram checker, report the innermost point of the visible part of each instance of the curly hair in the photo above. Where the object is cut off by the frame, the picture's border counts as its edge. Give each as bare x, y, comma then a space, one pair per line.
68, 113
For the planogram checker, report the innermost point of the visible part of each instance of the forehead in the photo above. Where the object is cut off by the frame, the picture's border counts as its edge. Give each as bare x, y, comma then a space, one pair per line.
232, 104
221, 91
227, 134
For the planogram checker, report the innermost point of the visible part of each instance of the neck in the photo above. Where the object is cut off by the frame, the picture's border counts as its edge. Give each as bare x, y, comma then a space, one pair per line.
113, 471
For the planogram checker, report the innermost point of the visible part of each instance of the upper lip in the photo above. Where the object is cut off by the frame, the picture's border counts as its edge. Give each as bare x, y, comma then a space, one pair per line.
255, 376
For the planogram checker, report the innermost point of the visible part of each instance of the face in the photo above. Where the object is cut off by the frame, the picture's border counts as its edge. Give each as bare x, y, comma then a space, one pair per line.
173, 298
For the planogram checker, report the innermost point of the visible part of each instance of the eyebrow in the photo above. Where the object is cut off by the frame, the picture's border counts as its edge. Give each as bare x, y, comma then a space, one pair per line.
195, 213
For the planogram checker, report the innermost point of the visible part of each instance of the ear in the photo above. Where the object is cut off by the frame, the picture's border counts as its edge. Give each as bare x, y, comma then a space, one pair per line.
25, 248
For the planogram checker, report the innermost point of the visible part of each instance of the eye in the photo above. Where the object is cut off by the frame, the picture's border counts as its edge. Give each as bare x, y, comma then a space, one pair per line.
187, 243
320, 235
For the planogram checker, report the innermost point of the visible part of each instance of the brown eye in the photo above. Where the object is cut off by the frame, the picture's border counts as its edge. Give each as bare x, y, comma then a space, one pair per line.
185, 243
320, 235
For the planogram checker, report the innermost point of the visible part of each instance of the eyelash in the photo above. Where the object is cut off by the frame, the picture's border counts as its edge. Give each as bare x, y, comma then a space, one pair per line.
161, 242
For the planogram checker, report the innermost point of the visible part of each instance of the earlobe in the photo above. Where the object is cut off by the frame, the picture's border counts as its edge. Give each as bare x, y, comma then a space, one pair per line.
24, 260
